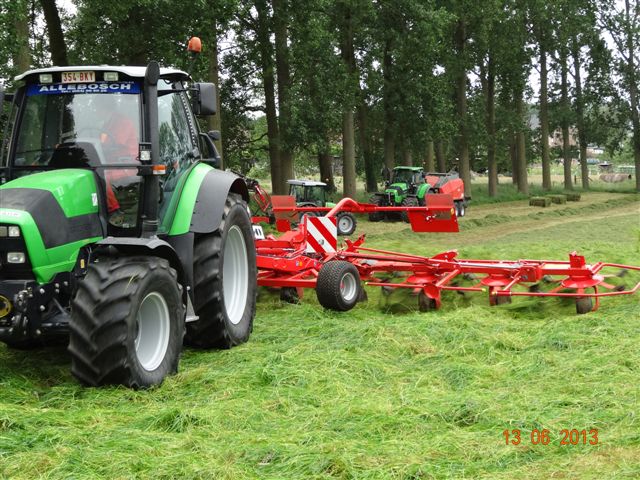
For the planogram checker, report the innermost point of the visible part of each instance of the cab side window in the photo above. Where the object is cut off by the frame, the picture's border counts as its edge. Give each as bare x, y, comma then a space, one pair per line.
176, 146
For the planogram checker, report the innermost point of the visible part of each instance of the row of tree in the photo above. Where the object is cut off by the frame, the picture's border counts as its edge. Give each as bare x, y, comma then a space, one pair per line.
436, 82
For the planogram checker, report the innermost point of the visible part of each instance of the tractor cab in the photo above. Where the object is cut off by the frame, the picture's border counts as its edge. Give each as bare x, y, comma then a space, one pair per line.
93, 119
308, 192
406, 177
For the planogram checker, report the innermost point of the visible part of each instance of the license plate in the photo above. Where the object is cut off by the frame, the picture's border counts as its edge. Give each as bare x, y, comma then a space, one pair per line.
78, 77
258, 233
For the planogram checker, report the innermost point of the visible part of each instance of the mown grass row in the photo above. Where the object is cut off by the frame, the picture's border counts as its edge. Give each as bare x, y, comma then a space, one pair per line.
369, 394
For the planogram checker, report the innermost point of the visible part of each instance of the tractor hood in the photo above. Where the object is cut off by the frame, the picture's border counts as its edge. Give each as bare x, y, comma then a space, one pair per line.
398, 190
57, 212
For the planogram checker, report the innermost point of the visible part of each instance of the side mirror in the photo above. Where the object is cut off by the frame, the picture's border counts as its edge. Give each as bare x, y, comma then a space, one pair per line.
204, 99
209, 151
214, 135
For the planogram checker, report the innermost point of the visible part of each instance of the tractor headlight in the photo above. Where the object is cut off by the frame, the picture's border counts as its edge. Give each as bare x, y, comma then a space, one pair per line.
16, 257
14, 231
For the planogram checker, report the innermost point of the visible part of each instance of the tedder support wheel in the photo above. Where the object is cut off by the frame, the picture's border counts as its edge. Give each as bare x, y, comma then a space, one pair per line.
499, 300
584, 305
225, 281
409, 202
346, 223
376, 216
127, 322
338, 286
426, 304
289, 295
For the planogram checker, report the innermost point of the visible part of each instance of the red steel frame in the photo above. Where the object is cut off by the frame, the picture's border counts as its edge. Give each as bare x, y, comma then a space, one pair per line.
282, 262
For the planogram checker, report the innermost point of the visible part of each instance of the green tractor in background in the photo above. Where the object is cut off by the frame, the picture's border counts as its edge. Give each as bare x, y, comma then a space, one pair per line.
309, 193
410, 187
116, 230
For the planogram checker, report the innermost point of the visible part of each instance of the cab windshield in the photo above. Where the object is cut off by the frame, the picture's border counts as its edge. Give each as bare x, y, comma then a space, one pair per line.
104, 128
403, 176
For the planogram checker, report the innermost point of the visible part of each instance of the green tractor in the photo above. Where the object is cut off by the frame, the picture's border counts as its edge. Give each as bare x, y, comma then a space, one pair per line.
309, 193
409, 187
117, 232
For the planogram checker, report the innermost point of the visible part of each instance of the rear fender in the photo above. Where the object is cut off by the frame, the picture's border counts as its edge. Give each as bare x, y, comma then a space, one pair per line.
202, 212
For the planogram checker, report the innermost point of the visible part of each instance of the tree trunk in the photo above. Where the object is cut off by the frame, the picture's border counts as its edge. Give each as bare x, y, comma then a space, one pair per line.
544, 120
461, 107
566, 147
582, 134
429, 164
348, 131
269, 84
633, 93
57, 46
325, 165
488, 76
440, 157
389, 116
348, 154
283, 74
513, 152
21, 54
407, 154
365, 145
523, 183
214, 122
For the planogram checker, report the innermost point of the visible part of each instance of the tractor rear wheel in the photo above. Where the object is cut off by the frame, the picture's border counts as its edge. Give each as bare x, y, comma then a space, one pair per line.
338, 286
408, 202
378, 201
127, 323
346, 223
225, 275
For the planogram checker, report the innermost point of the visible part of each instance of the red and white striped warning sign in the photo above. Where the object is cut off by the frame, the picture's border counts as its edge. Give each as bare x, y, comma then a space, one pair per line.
322, 234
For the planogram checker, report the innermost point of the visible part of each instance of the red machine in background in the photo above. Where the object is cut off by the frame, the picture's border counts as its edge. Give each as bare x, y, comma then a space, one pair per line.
309, 257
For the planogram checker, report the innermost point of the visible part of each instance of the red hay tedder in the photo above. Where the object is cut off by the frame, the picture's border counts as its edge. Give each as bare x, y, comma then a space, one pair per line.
309, 257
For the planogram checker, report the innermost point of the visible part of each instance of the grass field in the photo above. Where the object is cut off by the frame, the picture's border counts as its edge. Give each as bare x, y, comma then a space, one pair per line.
380, 392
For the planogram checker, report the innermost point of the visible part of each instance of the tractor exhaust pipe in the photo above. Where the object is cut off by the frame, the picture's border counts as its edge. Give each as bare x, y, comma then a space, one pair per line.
151, 189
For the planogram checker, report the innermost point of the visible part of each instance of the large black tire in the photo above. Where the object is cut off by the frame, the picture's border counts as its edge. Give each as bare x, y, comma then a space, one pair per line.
338, 286
127, 323
225, 296
346, 223
408, 202
378, 201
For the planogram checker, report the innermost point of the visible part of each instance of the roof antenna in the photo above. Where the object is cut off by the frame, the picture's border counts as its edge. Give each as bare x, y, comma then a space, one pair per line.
195, 47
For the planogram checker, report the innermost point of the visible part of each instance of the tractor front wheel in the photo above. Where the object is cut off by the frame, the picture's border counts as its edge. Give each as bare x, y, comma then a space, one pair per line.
408, 202
225, 281
378, 201
460, 208
127, 323
338, 286
346, 223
